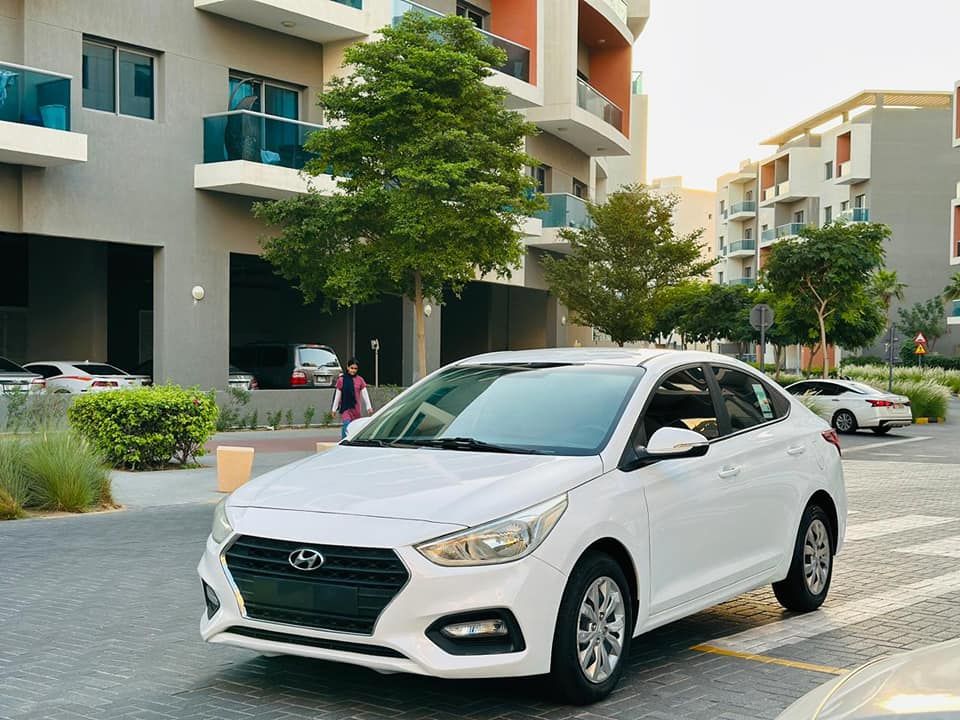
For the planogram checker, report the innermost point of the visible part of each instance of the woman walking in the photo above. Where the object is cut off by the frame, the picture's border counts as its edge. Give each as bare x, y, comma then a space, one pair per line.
351, 388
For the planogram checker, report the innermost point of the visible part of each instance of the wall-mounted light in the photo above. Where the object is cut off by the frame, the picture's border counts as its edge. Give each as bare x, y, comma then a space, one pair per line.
198, 293
563, 319
288, 23
428, 309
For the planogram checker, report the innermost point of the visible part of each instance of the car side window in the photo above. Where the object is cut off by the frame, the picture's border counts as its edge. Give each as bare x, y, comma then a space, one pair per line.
747, 399
802, 388
827, 389
682, 400
47, 371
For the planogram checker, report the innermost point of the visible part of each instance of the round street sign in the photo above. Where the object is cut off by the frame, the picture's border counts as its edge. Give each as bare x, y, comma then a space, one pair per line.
761, 316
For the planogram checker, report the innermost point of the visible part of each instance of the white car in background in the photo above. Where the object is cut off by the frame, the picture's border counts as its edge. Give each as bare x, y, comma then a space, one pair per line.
525, 513
14, 379
851, 405
82, 377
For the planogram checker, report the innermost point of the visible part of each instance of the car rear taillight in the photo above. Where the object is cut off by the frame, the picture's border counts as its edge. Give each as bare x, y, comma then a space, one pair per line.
880, 403
254, 385
831, 437
38, 383
104, 384
299, 377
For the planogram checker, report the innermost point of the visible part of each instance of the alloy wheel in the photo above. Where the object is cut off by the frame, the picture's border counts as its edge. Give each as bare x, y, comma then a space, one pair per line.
816, 557
600, 629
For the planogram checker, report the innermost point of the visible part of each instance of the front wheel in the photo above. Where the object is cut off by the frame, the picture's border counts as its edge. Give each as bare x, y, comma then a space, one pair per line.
594, 627
806, 585
845, 421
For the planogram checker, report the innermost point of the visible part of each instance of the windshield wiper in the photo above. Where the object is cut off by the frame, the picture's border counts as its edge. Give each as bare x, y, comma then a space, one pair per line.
466, 443
364, 443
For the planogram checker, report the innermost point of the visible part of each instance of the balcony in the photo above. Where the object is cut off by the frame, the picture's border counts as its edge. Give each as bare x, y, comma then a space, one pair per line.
513, 75
565, 210
852, 171
320, 21
857, 215
745, 210
954, 317
768, 236
793, 175
741, 248
790, 230
749, 282
35, 119
593, 102
256, 155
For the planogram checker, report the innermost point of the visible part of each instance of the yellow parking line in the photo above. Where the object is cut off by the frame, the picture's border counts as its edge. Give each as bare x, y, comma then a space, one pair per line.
796, 664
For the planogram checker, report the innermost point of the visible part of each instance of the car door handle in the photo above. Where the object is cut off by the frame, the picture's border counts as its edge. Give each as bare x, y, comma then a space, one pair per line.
796, 450
729, 471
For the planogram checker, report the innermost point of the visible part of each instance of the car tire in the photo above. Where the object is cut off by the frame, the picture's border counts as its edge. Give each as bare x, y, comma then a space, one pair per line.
596, 576
845, 422
811, 568
881, 430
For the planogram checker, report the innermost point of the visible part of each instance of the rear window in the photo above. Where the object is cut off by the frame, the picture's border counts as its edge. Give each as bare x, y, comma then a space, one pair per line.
317, 357
273, 356
7, 366
99, 369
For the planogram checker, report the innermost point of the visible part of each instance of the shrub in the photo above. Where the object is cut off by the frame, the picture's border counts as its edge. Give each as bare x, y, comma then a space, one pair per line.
252, 421
14, 486
230, 415
288, 418
65, 472
273, 419
950, 379
308, 414
31, 412
146, 427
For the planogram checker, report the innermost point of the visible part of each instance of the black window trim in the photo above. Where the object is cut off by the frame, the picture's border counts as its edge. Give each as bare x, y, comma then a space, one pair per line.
724, 421
117, 47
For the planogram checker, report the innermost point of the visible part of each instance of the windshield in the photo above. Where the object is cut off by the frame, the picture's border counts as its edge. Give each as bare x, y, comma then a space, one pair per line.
560, 410
7, 366
317, 357
99, 369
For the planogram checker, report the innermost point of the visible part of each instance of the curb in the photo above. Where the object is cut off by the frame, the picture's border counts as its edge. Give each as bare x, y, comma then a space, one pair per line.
929, 420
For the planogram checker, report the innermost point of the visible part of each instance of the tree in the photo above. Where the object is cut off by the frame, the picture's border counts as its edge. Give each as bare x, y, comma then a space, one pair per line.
952, 291
824, 266
926, 317
886, 286
714, 312
429, 172
620, 264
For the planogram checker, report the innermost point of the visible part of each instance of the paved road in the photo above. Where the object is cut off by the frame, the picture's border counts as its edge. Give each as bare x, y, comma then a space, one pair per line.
99, 617
915, 443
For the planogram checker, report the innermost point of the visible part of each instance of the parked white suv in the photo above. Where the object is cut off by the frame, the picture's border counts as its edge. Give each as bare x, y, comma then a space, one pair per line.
522, 513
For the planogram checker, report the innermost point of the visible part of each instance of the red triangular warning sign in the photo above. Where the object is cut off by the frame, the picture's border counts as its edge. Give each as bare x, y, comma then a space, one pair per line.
920, 339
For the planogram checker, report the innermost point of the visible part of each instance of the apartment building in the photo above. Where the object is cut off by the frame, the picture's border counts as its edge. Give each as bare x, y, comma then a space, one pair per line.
696, 210
632, 169
879, 156
135, 136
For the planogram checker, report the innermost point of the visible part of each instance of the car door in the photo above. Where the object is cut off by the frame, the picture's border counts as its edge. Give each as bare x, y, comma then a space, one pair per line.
771, 460
693, 504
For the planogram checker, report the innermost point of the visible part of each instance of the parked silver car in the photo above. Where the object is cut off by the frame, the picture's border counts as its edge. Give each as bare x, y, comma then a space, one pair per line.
14, 378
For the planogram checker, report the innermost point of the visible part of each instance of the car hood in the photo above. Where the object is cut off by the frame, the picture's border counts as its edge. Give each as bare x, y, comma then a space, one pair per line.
923, 683
441, 486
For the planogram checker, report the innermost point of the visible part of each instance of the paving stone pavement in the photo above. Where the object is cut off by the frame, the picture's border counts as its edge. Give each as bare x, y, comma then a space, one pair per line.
99, 618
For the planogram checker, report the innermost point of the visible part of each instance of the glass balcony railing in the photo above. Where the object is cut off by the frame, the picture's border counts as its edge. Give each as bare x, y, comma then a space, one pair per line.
742, 281
768, 235
741, 246
565, 210
856, 215
596, 104
358, 4
34, 97
955, 312
256, 137
742, 207
789, 230
518, 56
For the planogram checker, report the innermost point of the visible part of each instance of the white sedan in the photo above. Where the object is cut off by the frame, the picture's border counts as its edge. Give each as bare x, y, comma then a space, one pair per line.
523, 513
82, 377
852, 405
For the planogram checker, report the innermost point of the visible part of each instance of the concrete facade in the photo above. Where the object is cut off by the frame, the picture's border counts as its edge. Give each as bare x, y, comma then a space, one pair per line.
148, 184
884, 157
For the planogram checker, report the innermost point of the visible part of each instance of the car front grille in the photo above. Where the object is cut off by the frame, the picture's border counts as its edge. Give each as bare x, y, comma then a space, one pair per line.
346, 593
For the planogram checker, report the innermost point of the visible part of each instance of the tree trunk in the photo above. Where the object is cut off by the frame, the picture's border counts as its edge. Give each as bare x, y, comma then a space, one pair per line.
823, 344
419, 324
777, 360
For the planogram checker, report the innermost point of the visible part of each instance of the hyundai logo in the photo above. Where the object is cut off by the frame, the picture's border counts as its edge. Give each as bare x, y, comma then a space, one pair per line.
305, 559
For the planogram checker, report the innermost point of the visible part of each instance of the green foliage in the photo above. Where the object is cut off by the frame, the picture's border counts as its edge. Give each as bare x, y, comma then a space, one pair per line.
429, 164
927, 317
31, 412
273, 419
704, 312
308, 414
65, 472
14, 484
877, 375
146, 427
253, 420
231, 414
328, 419
619, 267
288, 418
829, 271
952, 290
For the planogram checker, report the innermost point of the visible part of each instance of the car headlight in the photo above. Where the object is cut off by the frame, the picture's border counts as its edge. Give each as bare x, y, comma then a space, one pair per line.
221, 524
503, 540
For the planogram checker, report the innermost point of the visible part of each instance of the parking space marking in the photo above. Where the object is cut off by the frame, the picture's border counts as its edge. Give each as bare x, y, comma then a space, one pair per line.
889, 443
812, 667
797, 628
879, 528
944, 547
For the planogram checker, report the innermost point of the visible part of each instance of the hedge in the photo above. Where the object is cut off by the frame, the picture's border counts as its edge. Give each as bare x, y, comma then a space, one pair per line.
146, 427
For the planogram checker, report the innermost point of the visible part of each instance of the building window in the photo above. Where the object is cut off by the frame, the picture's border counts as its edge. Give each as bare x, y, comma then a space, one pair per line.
723, 206
118, 79
860, 201
763, 228
580, 189
798, 217
720, 277
474, 14
828, 169
844, 206
748, 197
748, 233
259, 95
747, 272
541, 176
828, 215
721, 242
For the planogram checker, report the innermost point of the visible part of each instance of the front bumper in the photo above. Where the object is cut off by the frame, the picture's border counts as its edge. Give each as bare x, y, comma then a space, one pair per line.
530, 589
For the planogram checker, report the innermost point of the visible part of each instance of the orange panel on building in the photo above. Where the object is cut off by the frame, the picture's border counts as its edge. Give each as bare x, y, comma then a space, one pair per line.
768, 176
516, 20
956, 231
610, 59
843, 149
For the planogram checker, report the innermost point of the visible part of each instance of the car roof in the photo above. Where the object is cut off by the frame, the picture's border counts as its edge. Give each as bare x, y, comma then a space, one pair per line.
628, 357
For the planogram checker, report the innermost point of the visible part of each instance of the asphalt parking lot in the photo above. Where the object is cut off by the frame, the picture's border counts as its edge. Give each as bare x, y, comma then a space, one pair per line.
99, 619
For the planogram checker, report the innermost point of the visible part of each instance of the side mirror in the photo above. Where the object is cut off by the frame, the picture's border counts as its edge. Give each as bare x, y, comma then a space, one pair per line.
667, 443
356, 426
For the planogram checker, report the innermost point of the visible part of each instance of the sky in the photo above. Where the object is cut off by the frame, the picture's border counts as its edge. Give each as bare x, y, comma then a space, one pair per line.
723, 75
